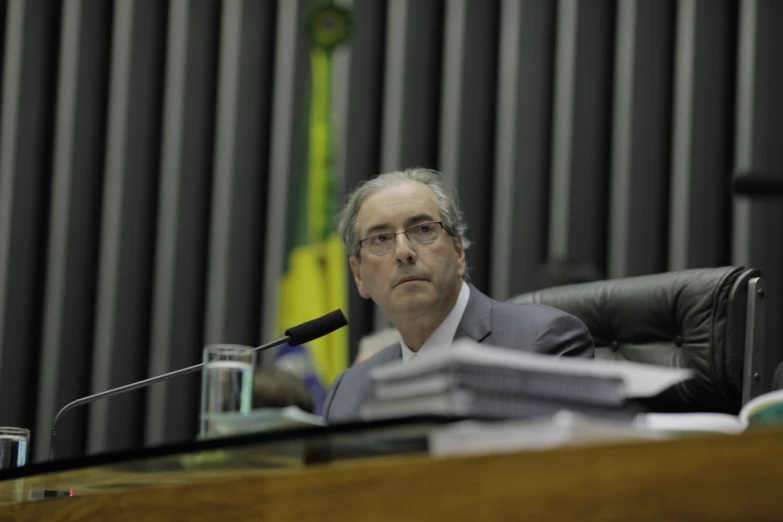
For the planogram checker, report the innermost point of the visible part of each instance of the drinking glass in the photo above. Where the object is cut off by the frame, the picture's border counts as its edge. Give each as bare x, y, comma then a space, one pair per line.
226, 382
13, 447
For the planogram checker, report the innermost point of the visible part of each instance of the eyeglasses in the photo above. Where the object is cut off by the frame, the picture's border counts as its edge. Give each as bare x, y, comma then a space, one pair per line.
420, 234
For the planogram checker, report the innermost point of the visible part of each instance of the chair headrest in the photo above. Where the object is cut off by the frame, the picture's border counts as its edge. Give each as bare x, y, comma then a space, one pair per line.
685, 319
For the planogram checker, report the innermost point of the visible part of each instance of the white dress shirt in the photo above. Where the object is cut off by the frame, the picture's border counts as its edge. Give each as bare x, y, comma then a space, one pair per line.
443, 335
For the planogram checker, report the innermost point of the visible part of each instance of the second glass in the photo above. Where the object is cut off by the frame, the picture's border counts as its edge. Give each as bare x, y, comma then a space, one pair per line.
226, 382
13, 447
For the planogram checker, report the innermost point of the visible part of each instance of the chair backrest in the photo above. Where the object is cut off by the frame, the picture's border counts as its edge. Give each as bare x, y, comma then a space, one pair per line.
709, 320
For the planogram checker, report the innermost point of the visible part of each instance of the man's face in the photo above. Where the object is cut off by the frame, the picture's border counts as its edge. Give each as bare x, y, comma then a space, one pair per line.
437, 268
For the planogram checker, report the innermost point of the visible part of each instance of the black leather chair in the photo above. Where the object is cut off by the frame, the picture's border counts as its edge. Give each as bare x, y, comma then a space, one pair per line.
710, 320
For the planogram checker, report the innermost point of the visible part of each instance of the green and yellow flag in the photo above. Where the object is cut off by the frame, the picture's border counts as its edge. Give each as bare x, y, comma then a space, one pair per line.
315, 281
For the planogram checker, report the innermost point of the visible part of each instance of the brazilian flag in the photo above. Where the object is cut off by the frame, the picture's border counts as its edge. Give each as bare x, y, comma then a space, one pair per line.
315, 281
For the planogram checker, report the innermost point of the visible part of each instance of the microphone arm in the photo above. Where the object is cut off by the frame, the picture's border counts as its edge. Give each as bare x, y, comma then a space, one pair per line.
135, 386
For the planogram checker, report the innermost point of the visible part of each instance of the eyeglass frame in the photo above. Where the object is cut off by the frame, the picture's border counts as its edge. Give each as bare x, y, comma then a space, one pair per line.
441, 223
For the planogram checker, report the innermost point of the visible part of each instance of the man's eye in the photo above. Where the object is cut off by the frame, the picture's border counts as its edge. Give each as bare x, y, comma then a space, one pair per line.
425, 228
380, 238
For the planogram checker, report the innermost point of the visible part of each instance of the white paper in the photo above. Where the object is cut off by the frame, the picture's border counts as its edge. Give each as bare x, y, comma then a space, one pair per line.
562, 429
263, 419
640, 380
698, 422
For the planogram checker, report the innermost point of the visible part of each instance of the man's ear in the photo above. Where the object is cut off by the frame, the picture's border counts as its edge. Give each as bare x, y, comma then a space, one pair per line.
461, 264
357, 277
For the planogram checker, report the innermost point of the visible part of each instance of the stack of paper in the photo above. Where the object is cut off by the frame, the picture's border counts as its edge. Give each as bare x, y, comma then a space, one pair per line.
562, 429
262, 419
479, 381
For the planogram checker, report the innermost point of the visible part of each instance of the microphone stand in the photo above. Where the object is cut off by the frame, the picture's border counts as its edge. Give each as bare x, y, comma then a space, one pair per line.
135, 386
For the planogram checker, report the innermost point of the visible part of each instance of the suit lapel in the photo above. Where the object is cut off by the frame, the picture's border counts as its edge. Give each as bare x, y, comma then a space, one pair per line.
476, 322
388, 354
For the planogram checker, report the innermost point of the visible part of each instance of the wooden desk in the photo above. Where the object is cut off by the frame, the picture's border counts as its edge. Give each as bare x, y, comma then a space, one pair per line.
694, 479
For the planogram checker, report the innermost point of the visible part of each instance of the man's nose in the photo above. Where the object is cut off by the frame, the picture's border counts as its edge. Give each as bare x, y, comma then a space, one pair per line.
404, 251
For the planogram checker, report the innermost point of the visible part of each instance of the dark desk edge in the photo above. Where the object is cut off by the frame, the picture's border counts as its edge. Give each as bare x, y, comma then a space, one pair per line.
165, 450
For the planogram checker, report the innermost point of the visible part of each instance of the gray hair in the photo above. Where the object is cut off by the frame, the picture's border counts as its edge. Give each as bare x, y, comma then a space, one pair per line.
445, 195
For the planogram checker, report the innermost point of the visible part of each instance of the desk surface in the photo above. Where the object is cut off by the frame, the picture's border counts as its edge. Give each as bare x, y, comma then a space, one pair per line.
701, 478
226, 457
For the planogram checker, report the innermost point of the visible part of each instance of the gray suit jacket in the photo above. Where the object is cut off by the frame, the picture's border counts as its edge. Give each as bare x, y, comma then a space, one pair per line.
520, 326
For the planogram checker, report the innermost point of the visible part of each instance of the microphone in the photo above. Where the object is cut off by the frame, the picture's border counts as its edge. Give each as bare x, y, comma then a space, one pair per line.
300, 334
758, 185
312, 330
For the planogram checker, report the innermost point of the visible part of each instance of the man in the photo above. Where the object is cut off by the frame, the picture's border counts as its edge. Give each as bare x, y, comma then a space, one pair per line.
373, 343
406, 235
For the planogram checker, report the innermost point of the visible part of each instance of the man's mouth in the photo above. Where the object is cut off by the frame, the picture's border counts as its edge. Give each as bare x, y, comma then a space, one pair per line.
409, 280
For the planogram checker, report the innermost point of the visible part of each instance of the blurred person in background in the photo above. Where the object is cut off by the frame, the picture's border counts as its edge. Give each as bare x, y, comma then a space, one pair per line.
277, 388
777, 378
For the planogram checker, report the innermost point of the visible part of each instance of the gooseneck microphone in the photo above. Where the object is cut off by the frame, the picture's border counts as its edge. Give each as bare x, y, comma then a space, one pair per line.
297, 335
756, 184
314, 329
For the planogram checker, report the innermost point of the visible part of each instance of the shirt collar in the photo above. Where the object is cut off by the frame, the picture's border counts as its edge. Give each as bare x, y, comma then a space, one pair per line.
443, 335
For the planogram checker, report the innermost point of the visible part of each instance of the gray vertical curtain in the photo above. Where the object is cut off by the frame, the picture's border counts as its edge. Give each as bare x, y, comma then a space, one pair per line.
147, 153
